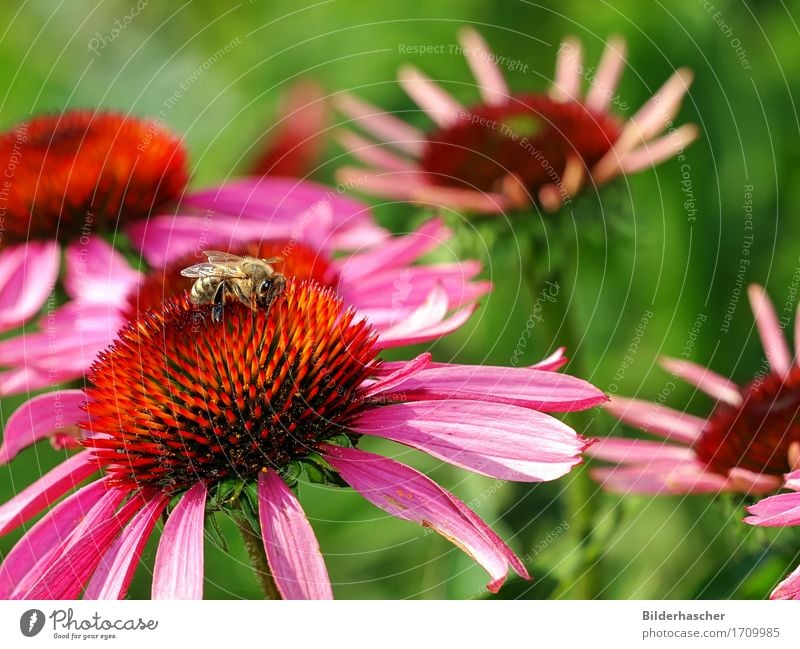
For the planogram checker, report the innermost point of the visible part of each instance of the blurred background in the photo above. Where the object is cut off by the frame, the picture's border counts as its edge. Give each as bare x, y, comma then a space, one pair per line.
667, 242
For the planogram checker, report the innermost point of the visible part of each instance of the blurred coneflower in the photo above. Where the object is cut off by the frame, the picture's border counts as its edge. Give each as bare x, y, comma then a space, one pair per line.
750, 439
781, 510
399, 298
184, 417
513, 149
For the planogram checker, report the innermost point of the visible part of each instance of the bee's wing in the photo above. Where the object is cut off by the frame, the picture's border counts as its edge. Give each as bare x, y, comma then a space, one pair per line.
217, 257
202, 270
272, 260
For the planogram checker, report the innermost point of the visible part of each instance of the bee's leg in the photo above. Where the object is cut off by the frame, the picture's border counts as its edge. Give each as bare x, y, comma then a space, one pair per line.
219, 303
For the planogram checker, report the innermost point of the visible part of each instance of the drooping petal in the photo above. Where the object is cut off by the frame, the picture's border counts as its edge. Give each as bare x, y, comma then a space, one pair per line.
28, 273
608, 74
372, 154
67, 576
292, 549
40, 417
46, 535
660, 478
178, 569
567, 85
654, 152
750, 482
97, 274
113, 576
789, 588
657, 419
497, 440
772, 339
525, 387
396, 251
782, 510
708, 381
45, 491
382, 125
408, 494
404, 371
638, 451
491, 83
438, 104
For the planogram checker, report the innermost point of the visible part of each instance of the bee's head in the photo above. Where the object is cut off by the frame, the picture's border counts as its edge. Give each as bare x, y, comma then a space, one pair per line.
269, 288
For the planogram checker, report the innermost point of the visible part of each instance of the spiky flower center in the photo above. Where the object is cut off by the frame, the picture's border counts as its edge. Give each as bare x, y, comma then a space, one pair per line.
757, 434
299, 261
179, 398
68, 175
530, 136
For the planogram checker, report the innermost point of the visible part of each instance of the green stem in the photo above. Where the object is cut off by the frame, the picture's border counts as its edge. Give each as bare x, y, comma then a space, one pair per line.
581, 492
258, 559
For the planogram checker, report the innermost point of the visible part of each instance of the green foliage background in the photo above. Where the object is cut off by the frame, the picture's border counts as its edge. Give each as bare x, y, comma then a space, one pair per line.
637, 248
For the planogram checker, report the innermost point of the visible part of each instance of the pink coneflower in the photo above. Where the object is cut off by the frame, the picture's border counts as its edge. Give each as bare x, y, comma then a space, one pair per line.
73, 177
400, 300
230, 415
782, 510
750, 439
513, 149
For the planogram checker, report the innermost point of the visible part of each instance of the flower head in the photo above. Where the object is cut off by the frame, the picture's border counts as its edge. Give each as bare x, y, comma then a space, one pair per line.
180, 406
748, 441
82, 171
513, 149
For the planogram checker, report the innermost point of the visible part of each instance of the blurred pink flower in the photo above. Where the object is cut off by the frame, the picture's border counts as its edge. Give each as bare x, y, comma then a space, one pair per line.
513, 149
399, 298
180, 405
746, 444
782, 510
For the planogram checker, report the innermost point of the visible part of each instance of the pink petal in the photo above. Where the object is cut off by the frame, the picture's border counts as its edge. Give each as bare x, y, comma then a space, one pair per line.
567, 86
555, 361
654, 152
782, 510
657, 419
292, 550
708, 381
438, 104
491, 83
407, 494
638, 451
396, 251
67, 576
113, 576
28, 272
775, 346
497, 440
372, 154
750, 482
793, 480
789, 588
45, 491
384, 126
608, 74
97, 273
468, 200
658, 478
178, 570
48, 534
398, 376
424, 325
525, 387
40, 417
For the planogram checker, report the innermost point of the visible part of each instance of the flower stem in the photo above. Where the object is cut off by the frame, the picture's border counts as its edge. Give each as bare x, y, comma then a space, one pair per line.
258, 559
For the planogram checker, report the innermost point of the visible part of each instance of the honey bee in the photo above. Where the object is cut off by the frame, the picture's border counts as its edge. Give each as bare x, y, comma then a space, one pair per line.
250, 280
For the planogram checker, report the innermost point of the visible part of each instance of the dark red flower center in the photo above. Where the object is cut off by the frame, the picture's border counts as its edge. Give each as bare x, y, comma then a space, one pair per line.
68, 175
179, 398
299, 261
757, 434
530, 136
